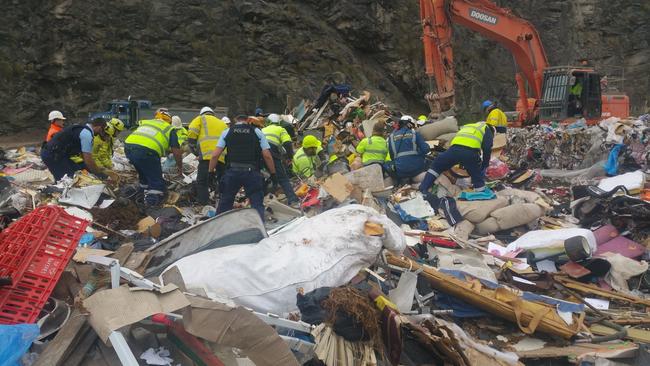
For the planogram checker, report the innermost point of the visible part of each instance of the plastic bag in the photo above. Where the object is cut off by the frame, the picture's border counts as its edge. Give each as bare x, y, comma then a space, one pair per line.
497, 169
15, 340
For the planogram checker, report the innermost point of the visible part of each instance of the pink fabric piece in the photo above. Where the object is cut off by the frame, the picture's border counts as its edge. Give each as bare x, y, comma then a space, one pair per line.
605, 233
623, 246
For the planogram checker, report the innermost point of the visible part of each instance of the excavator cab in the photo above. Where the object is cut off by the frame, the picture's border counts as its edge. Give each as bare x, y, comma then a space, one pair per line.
570, 93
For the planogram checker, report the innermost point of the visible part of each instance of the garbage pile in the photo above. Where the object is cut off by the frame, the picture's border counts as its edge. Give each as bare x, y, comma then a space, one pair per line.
548, 265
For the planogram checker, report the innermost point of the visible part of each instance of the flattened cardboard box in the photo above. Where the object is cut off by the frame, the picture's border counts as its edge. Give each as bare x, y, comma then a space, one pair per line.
113, 309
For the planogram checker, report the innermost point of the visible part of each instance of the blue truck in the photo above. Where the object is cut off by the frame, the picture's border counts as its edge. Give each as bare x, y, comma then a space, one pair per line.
131, 111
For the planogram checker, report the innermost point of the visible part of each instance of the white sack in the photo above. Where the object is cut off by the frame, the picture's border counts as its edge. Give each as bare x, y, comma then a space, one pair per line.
326, 250
633, 181
623, 269
544, 238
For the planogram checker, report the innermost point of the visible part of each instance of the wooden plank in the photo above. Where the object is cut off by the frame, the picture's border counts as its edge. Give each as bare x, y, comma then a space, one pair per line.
80, 351
637, 335
123, 252
64, 341
578, 350
110, 357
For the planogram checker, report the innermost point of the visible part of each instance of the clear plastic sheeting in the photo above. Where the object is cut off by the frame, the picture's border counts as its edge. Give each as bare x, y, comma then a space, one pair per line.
325, 250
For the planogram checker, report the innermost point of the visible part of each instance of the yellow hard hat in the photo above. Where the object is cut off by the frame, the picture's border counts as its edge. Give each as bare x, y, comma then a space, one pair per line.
310, 141
163, 114
422, 117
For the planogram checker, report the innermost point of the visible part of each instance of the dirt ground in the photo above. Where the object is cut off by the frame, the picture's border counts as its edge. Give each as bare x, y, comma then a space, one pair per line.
30, 137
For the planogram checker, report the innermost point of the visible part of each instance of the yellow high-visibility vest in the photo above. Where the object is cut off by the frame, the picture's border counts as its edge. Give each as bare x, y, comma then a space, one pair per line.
206, 130
373, 149
153, 134
497, 118
470, 135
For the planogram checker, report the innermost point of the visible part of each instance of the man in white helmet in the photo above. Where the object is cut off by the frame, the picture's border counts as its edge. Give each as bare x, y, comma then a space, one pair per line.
203, 134
57, 121
281, 151
407, 150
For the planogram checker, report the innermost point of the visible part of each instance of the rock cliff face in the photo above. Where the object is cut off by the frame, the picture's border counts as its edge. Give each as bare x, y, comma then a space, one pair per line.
75, 55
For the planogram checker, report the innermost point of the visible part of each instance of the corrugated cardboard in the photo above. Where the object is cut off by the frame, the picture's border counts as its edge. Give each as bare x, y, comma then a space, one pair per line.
338, 187
113, 309
237, 327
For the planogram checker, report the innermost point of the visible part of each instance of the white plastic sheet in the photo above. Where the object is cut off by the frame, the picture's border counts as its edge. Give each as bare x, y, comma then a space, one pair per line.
325, 250
633, 181
538, 239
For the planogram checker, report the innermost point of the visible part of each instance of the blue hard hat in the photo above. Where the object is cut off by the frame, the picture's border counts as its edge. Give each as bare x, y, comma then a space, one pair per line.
258, 111
486, 104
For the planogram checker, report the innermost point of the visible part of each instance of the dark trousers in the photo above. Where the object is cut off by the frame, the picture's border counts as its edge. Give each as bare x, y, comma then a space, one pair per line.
147, 164
233, 180
59, 166
283, 180
203, 179
469, 158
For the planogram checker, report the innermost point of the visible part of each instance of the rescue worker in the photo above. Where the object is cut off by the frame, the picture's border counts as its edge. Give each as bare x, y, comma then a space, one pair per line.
471, 148
247, 146
495, 116
281, 150
57, 121
104, 141
71, 141
575, 98
374, 149
203, 134
407, 150
309, 158
144, 148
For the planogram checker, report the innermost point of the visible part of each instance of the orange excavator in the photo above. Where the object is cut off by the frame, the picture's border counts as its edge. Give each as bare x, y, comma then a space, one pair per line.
560, 94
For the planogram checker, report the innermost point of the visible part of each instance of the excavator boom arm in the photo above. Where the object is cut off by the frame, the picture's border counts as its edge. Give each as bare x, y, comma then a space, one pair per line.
495, 23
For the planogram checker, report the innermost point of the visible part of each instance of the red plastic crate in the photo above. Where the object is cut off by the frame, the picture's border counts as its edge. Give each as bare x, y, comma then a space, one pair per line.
34, 251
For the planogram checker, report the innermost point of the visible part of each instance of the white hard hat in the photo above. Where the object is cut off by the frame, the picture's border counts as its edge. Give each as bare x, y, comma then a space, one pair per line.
206, 110
226, 119
176, 121
55, 115
274, 118
407, 118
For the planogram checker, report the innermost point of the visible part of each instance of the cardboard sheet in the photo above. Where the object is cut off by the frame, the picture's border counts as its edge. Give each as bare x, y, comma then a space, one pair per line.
82, 254
338, 187
237, 327
113, 309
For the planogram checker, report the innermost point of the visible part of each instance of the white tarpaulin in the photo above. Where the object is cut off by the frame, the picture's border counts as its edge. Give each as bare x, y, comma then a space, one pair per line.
551, 239
633, 181
325, 250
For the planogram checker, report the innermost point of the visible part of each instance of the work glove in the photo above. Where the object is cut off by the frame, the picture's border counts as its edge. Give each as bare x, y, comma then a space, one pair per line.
274, 179
112, 176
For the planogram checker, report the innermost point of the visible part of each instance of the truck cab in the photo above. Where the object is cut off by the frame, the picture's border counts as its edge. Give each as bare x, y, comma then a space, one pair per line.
570, 93
125, 110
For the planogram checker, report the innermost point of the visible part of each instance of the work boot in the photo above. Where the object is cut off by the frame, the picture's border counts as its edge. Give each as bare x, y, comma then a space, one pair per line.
153, 199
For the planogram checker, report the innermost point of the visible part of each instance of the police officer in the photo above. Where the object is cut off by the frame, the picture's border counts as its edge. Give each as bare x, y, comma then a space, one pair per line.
203, 134
374, 149
72, 141
471, 148
495, 116
407, 150
144, 148
247, 146
281, 148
